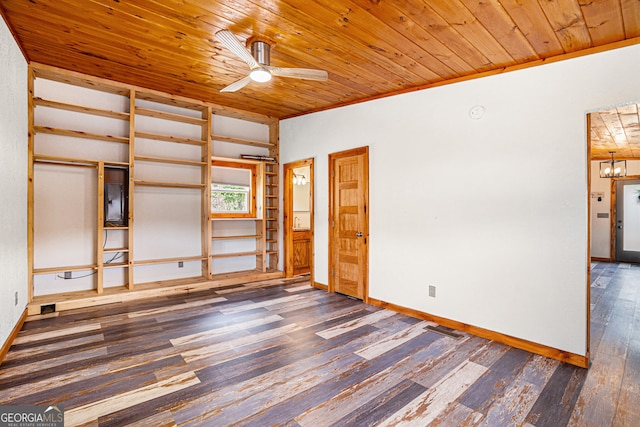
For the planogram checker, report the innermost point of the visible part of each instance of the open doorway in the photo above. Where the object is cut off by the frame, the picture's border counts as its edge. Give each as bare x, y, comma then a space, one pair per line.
614, 137
298, 218
613, 153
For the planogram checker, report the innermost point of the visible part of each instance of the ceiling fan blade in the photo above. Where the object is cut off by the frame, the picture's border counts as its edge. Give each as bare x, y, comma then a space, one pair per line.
237, 85
299, 73
232, 43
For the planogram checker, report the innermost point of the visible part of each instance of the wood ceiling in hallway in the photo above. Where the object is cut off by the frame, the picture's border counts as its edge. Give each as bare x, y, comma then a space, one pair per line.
370, 48
616, 130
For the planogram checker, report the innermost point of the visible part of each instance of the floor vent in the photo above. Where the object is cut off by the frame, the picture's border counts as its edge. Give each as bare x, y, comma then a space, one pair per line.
47, 308
444, 331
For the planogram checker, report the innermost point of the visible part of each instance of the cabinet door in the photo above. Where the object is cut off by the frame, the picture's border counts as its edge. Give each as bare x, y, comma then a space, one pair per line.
301, 252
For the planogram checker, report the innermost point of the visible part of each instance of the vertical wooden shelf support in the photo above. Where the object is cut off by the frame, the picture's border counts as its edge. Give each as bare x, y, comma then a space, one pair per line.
130, 219
100, 228
207, 131
30, 187
273, 179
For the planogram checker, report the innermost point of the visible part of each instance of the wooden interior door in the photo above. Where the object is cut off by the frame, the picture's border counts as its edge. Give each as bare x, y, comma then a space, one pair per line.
349, 225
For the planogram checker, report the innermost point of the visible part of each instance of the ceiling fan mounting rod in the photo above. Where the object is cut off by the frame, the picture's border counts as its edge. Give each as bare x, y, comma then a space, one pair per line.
261, 51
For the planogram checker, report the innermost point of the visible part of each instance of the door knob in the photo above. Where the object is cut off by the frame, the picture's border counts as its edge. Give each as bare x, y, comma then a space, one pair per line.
359, 234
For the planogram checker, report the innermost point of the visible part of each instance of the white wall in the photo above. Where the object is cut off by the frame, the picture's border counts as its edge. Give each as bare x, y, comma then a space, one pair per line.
601, 227
13, 179
493, 212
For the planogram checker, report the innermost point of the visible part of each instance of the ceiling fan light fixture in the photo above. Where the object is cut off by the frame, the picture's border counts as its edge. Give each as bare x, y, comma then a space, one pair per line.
260, 75
259, 63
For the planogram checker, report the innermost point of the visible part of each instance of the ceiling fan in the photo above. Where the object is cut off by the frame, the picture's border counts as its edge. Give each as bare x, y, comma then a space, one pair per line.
258, 60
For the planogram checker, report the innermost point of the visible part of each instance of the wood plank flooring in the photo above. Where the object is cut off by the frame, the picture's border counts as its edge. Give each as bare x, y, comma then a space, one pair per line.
283, 353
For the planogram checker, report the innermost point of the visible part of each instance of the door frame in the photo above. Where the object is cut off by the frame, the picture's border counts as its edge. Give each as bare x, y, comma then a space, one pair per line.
588, 284
332, 190
288, 216
614, 214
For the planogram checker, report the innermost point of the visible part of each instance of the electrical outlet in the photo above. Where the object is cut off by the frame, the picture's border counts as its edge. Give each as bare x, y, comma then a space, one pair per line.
180, 264
432, 291
16, 298
67, 275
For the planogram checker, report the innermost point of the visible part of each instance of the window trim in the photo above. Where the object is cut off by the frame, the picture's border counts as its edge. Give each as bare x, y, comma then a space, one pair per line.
252, 189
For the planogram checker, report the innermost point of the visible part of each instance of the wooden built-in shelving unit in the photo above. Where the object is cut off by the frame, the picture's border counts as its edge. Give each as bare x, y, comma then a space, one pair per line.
121, 256
266, 258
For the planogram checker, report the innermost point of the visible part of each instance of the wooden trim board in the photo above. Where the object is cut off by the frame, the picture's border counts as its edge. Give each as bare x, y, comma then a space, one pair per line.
564, 356
12, 336
587, 344
69, 301
320, 286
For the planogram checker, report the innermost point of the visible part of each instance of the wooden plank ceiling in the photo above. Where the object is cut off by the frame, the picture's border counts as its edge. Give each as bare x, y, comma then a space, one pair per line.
370, 48
616, 130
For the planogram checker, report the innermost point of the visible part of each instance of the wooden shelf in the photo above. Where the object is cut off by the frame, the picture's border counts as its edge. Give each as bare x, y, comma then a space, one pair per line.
169, 138
80, 134
178, 102
78, 79
234, 140
235, 219
116, 227
170, 116
168, 184
168, 160
168, 260
234, 237
40, 102
116, 265
115, 250
236, 254
49, 270
41, 158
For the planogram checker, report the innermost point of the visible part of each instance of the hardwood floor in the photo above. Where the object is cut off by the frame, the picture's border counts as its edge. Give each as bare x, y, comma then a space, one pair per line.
283, 353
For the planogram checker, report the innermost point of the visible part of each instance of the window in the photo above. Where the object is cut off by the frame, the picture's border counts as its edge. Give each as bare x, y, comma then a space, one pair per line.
230, 198
233, 189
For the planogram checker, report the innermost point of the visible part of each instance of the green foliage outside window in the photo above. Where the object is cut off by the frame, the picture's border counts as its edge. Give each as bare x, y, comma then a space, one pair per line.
229, 198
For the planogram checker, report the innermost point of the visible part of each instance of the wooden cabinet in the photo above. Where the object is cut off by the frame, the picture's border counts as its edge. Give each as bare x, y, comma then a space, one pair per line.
301, 252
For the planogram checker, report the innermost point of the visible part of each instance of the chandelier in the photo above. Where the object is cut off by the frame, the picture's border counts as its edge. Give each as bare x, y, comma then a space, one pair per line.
613, 168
